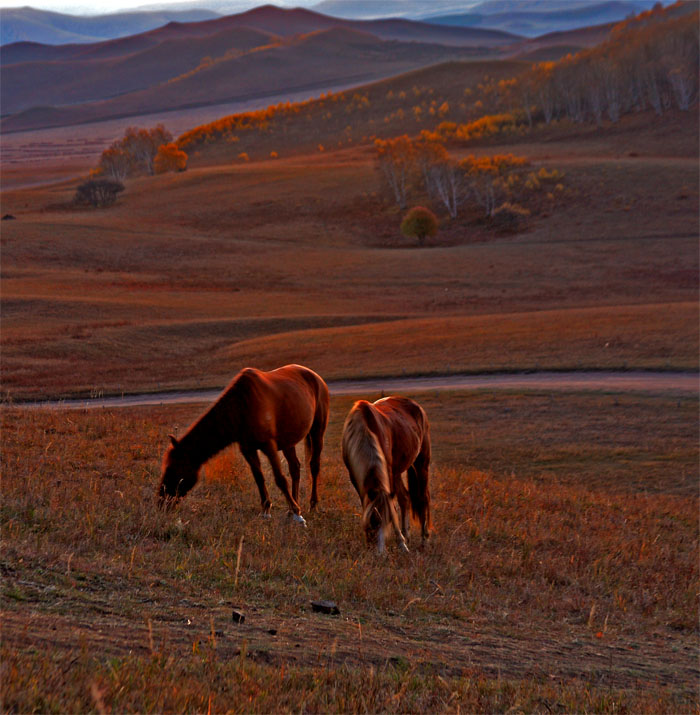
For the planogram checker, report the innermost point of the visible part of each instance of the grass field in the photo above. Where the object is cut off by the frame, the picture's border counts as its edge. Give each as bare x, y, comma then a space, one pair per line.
562, 574
191, 276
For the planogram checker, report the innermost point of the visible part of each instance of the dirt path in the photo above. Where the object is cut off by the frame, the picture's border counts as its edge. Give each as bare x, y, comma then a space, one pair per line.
664, 382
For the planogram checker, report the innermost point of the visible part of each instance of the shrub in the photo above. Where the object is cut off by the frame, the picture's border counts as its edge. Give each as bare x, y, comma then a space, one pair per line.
98, 192
418, 223
169, 158
510, 216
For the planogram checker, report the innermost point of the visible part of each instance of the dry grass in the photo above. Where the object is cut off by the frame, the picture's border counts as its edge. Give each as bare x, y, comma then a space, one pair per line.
643, 336
168, 287
563, 572
554, 579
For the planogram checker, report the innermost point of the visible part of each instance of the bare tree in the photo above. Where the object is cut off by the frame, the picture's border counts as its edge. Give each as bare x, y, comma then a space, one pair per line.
396, 160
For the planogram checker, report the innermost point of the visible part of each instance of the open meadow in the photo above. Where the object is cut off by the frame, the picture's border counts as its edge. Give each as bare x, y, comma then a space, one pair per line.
562, 574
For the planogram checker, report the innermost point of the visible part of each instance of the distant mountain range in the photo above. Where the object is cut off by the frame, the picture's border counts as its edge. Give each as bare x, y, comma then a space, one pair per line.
524, 17
374, 9
22, 24
262, 52
531, 23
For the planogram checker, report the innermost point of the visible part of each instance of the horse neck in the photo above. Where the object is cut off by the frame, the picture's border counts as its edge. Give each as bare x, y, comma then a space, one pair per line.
215, 430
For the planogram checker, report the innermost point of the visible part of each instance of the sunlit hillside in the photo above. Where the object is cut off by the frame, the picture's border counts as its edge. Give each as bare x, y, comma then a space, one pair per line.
648, 63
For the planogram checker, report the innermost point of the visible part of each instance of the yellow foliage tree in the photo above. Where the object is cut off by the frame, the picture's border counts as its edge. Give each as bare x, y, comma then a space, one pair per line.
169, 158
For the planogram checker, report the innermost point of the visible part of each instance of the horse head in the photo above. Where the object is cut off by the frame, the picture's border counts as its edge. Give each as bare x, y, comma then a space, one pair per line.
179, 475
373, 520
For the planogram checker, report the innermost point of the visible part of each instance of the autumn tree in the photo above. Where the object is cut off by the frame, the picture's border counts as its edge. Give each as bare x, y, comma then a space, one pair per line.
396, 160
418, 223
487, 178
169, 158
143, 144
134, 153
446, 182
115, 163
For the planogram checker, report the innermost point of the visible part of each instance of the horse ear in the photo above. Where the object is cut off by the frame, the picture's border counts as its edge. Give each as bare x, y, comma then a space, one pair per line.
173, 440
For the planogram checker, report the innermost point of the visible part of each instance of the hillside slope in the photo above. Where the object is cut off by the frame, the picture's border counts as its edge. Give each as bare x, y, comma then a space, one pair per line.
93, 77
20, 24
178, 73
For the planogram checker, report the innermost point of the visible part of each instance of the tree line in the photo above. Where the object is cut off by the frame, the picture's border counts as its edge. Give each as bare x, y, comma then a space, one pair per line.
650, 61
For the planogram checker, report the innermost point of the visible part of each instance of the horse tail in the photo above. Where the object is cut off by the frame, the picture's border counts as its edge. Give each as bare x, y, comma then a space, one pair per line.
418, 484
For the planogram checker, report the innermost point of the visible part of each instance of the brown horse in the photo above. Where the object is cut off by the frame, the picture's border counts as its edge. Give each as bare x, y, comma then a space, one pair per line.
266, 411
381, 440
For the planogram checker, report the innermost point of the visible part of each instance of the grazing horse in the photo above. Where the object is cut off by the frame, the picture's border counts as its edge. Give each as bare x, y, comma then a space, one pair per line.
266, 411
381, 440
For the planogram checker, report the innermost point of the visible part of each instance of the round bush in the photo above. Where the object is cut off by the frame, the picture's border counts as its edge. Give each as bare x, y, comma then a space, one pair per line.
418, 223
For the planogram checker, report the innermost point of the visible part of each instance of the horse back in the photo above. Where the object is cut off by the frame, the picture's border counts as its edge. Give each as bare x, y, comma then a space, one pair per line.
282, 404
409, 429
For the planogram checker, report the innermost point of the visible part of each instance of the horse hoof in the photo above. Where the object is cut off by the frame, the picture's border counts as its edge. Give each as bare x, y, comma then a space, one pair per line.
403, 547
266, 515
299, 519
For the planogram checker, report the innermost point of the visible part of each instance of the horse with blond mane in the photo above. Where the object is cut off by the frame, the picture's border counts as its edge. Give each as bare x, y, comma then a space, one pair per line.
266, 411
381, 440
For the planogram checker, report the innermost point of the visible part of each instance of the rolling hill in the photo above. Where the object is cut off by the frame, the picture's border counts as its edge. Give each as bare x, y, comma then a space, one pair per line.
269, 19
28, 24
261, 53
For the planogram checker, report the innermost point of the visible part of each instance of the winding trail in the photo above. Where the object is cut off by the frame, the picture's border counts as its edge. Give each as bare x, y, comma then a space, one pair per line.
685, 383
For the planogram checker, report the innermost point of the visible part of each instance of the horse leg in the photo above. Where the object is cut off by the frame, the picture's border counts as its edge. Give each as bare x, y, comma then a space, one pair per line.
397, 529
270, 451
418, 484
315, 443
251, 456
290, 454
404, 502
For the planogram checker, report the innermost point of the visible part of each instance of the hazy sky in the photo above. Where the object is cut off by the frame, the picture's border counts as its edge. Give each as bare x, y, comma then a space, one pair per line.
99, 7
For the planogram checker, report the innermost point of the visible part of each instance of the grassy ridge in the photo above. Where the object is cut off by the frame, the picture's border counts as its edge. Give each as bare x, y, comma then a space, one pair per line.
553, 575
615, 337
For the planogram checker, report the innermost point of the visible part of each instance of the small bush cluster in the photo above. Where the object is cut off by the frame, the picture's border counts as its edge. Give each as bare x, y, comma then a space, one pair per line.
98, 192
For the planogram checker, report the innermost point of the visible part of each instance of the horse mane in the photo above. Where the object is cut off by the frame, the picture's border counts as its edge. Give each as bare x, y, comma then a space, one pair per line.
216, 428
365, 459
361, 446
